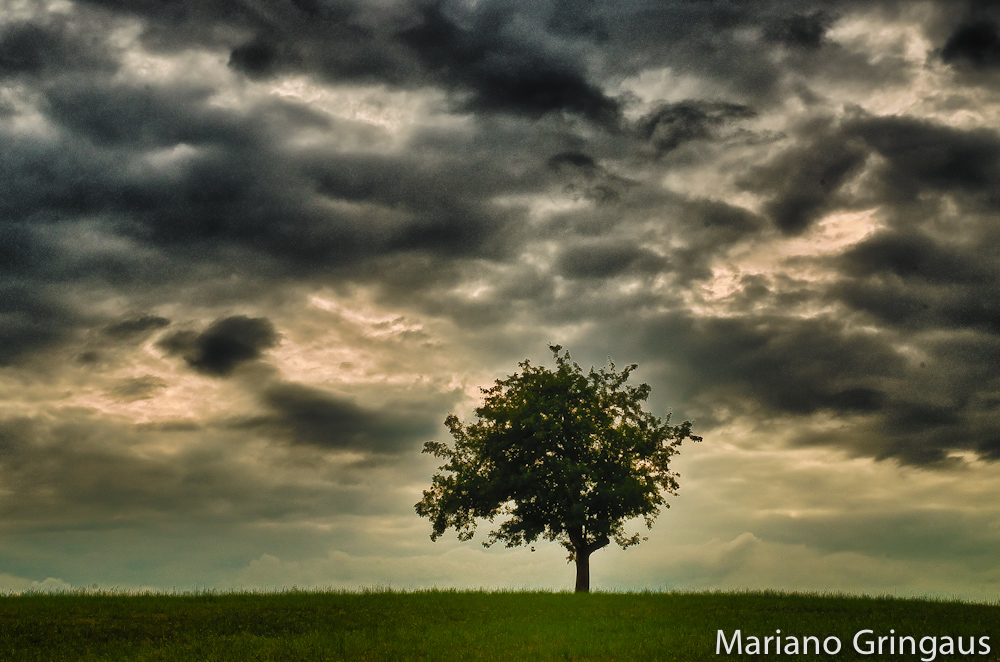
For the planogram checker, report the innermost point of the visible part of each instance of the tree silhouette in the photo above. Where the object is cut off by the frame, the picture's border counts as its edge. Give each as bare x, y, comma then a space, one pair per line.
562, 455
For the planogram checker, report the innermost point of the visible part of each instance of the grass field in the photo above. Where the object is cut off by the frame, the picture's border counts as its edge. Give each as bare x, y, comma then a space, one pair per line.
466, 625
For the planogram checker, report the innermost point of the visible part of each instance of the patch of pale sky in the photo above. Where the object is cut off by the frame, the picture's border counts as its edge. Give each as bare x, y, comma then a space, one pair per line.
753, 434
376, 323
26, 118
375, 105
190, 67
809, 478
878, 37
170, 159
329, 363
543, 207
383, 369
188, 397
777, 255
15, 11
874, 32
747, 562
324, 361
709, 182
913, 354
654, 86
714, 171
349, 340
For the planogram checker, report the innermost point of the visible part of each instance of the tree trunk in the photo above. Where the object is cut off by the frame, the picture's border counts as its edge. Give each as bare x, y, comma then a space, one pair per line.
582, 571
582, 551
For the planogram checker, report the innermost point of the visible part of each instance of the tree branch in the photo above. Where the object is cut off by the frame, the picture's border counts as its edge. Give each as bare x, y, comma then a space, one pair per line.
597, 544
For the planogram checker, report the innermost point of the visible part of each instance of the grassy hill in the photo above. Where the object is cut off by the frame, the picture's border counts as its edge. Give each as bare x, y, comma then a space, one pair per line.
443, 625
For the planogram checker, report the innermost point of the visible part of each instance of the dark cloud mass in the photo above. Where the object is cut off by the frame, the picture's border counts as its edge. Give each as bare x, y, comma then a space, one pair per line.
789, 365
225, 344
304, 415
170, 171
976, 44
804, 182
913, 256
502, 74
672, 124
50, 48
924, 155
802, 30
28, 49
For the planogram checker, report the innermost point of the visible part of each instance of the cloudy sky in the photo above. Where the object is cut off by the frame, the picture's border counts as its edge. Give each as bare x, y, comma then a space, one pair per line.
253, 253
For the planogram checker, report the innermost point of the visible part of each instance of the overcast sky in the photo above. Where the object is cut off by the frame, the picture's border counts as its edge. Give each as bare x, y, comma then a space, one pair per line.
253, 253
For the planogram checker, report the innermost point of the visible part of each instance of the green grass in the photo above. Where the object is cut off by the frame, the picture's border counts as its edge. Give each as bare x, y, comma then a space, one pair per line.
444, 625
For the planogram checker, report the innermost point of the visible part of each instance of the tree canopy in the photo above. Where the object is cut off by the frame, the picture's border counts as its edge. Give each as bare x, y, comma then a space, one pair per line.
559, 454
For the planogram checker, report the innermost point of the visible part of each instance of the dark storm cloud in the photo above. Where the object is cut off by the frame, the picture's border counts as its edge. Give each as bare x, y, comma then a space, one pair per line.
803, 30
502, 72
584, 178
703, 228
916, 256
803, 182
422, 207
238, 189
256, 59
670, 125
937, 294
339, 41
26, 48
231, 197
889, 407
739, 47
233, 187
914, 388
913, 276
917, 385
721, 224
528, 59
915, 282
224, 345
921, 155
485, 58
975, 43
921, 307
309, 416
797, 366
572, 159
137, 117
189, 183
49, 48
915, 157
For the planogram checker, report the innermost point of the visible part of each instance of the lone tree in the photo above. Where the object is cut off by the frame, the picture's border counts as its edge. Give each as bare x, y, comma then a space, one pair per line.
560, 454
